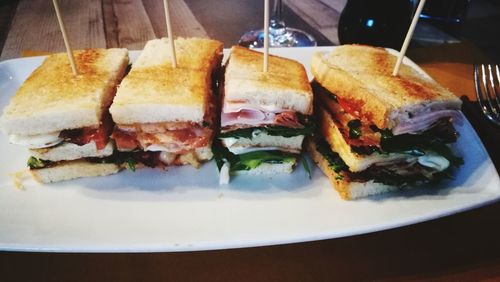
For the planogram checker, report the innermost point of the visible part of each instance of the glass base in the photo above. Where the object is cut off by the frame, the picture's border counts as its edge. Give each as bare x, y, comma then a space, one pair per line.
287, 37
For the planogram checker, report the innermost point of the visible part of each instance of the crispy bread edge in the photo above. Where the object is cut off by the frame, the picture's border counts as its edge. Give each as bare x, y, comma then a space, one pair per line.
344, 86
73, 169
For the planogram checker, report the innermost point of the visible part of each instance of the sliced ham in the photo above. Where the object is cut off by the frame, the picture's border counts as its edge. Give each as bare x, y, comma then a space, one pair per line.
236, 106
246, 116
424, 121
253, 117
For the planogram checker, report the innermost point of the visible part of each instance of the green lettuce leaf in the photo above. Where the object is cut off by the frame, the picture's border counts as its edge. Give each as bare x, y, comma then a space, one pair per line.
34, 163
249, 160
335, 162
252, 160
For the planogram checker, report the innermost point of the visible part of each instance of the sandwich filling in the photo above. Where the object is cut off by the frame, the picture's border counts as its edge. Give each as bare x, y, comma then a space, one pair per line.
82, 143
255, 135
264, 115
166, 143
159, 145
358, 151
178, 138
79, 136
99, 135
422, 167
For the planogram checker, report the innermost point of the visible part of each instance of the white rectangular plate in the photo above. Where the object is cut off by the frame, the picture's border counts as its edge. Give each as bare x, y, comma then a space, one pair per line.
184, 209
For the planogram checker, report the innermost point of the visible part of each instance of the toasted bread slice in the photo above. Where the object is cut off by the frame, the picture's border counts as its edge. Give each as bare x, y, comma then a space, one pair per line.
338, 144
346, 189
154, 92
70, 151
362, 75
191, 53
53, 99
73, 169
159, 94
285, 85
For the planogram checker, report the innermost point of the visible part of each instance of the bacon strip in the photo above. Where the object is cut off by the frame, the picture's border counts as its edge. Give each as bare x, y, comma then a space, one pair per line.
82, 136
176, 141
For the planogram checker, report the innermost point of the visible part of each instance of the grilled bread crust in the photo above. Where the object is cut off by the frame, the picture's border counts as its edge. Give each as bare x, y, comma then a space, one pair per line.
154, 91
334, 137
285, 85
53, 99
191, 53
362, 75
347, 190
67, 170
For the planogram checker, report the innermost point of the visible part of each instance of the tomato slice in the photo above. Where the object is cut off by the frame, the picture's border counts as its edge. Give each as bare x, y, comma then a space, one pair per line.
125, 140
82, 136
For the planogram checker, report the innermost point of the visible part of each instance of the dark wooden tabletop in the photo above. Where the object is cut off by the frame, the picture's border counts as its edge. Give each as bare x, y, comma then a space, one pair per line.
32, 25
463, 246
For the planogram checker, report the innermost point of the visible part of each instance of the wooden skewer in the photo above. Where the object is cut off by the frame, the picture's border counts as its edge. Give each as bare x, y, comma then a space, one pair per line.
169, 34
266, 35
409, 34
65, 38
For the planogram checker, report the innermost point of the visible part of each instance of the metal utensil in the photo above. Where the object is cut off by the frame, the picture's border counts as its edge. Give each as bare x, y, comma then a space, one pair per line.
487, 83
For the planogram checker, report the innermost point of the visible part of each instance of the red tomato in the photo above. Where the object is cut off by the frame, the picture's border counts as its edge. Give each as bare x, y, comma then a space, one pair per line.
124, 140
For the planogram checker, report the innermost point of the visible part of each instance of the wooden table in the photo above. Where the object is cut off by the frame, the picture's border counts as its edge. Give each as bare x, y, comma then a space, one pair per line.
463, 246
129, 23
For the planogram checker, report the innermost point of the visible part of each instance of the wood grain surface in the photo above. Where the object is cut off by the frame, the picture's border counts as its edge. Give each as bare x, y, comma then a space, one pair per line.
35, 26
130, 23
184, 23
130, 26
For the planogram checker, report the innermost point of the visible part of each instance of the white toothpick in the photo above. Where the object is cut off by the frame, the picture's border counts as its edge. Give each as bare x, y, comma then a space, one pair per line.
65, 38
408, 37
266, 35
169, 34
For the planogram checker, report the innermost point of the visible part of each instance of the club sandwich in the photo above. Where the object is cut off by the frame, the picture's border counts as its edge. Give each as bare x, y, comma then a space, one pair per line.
264, 115
164, 115
63, 119
377, 132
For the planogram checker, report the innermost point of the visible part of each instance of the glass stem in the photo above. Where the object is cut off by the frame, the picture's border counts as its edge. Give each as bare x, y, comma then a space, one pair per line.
278, 9
277, 25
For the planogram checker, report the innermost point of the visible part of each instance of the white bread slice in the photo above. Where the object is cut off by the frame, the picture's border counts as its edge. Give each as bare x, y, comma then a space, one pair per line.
347, 190
363, 75
285, 85
153, 91
338, 144
160, 94
73, 169
191, 53
262, 139
70, 151
269, 169
52, 99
